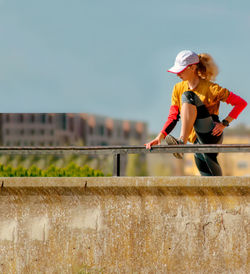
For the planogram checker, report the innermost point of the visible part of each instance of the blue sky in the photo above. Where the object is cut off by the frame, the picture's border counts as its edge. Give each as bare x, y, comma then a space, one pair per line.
110, 57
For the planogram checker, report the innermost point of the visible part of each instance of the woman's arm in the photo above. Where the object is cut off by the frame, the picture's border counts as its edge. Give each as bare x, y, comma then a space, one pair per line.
156, 141
173, 117
239, 104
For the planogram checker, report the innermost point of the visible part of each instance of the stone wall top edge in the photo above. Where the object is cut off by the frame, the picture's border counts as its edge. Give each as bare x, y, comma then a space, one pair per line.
188, 181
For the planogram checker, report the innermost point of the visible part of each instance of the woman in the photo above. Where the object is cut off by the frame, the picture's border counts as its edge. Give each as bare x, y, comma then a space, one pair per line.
196, 100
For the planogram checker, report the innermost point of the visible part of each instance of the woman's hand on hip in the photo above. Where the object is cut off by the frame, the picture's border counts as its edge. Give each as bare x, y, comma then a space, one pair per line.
218, 129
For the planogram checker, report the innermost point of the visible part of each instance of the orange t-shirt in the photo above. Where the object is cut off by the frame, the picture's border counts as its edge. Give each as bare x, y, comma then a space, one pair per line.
209, 93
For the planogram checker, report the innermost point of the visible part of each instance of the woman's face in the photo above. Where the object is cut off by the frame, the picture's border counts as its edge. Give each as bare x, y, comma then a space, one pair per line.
188, 74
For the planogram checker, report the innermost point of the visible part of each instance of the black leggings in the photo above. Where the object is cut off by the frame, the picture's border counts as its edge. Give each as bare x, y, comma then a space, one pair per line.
206, 162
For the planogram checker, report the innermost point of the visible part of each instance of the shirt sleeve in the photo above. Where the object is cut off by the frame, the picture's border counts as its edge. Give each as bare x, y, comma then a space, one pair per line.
174, 113
173, 118
219, 93
175, 100
238, 103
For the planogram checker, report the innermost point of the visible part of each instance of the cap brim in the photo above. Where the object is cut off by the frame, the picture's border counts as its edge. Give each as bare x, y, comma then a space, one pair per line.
177, 69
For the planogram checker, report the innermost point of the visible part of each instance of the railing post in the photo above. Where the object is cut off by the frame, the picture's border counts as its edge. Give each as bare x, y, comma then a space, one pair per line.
116, 169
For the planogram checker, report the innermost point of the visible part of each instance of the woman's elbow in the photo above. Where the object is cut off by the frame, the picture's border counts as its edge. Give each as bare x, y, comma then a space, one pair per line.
244, 104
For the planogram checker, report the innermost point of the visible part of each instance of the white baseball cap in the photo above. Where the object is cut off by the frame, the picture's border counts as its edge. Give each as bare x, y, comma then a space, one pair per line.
184, 59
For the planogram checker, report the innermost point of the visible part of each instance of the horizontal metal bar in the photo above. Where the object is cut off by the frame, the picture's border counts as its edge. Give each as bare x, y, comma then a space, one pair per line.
96, 150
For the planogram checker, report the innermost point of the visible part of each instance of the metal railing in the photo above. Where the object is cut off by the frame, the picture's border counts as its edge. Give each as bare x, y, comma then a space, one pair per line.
117, 151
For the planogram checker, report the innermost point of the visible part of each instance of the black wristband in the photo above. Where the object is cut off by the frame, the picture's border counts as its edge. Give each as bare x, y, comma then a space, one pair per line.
225, 123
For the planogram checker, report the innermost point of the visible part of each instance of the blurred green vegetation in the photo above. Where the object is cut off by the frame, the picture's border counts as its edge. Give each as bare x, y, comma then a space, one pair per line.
53, 166
72, 170
68, 165
136, 165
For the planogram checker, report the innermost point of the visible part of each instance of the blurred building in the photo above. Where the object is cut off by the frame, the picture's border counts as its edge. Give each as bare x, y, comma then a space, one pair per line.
101, 130
60, 129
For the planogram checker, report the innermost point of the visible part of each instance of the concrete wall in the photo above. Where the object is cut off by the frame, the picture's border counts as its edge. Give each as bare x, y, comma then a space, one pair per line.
125, 225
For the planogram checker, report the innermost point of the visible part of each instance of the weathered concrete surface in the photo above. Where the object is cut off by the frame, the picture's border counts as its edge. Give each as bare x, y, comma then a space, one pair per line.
125, 225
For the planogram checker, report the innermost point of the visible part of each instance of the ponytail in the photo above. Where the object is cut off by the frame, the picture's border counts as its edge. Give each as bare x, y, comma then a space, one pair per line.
206, 68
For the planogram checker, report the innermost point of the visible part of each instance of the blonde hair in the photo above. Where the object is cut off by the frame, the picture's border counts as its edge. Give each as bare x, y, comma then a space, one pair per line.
206, 68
